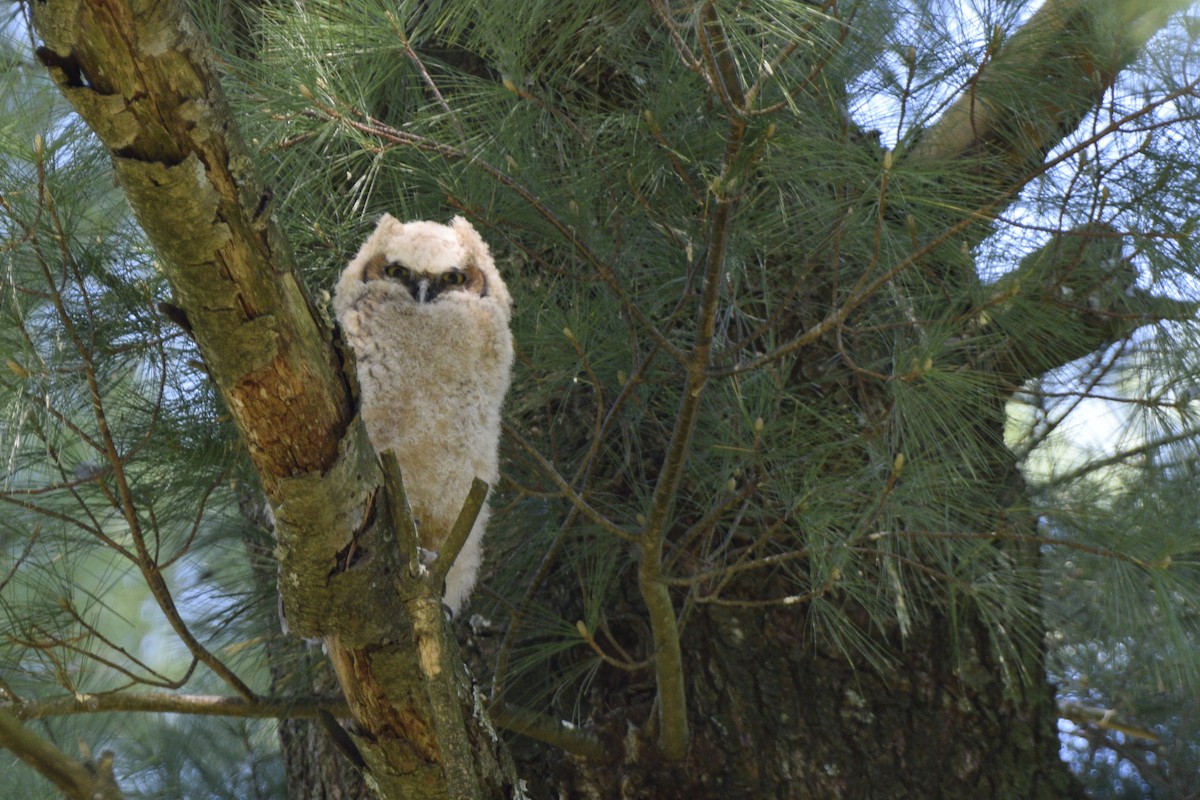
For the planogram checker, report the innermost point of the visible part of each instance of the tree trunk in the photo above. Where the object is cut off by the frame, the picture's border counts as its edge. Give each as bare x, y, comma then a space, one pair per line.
314, 766
779, 715
316, 769
960, 707
142, 77
776, 719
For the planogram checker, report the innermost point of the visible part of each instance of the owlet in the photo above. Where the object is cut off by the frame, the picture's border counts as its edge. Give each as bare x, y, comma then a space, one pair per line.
427, 316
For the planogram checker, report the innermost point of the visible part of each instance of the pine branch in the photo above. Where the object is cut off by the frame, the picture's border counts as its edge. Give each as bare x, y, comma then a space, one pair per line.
123, 500
551, 731
142, 77
89, 781
565, 488
668, 658
171, 703
1125, 454
1082, 283
1038, 87
364, 124
1104, 718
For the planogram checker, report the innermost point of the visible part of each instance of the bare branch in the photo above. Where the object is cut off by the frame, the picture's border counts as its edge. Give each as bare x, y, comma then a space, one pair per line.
552, 731
668, 658
402, 518
171, 703
461, 530
565, 489
75, 780
1121, 456
1070, 52
1105, 718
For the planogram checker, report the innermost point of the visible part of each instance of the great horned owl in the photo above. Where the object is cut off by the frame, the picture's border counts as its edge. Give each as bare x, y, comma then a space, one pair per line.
427, 315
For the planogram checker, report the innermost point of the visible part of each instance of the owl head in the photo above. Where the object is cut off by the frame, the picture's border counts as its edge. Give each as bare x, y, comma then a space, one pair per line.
430, 261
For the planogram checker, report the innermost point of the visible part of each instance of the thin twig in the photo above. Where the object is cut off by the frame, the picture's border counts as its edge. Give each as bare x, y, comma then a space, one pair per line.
1117, 458
1047, 541
196, 520
30, 541
625, 666
561, 734
401, 512
158, 678
128, 506
565, 489
425, 76
463, 524
1105, 718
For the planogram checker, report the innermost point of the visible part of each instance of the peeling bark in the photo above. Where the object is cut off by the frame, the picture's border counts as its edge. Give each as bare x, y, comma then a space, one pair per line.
141, 76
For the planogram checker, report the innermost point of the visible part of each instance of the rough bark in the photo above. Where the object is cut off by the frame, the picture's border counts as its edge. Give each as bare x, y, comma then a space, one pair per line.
141, 76
313, 764
775, 713
779, 716
940, 724
315, 768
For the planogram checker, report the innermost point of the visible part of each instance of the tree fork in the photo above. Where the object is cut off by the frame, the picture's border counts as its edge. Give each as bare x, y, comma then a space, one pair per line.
141, 76
93, 780
1075, 47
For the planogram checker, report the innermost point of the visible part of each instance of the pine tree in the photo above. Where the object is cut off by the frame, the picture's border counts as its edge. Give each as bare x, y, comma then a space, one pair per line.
815, 305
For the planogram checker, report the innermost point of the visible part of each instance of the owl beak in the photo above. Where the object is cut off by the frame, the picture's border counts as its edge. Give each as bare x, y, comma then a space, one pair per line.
423, 291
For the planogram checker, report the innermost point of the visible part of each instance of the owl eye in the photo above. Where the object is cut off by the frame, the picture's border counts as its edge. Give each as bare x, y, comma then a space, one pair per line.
455, 277
396, 270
